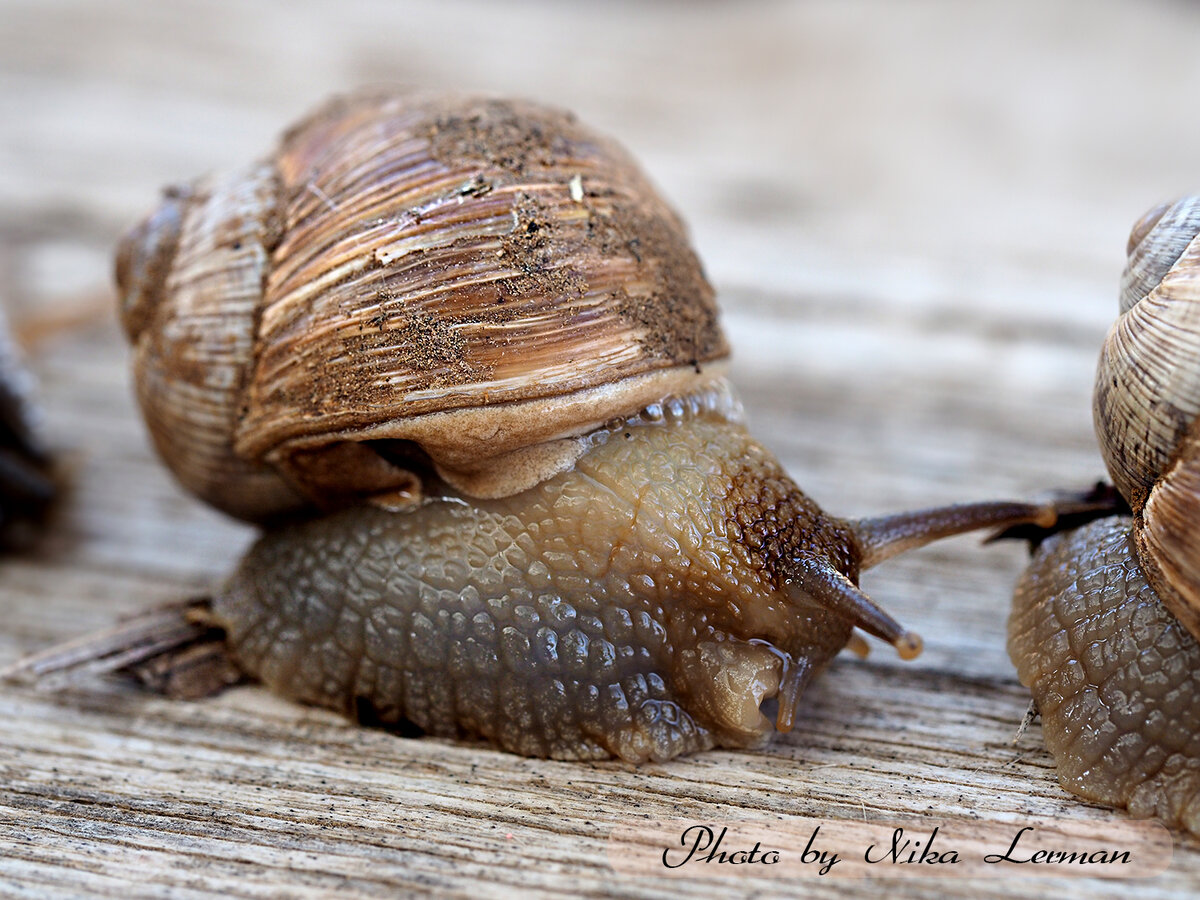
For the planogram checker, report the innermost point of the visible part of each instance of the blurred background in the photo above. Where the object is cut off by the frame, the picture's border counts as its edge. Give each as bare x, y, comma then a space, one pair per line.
914, 213
948, 140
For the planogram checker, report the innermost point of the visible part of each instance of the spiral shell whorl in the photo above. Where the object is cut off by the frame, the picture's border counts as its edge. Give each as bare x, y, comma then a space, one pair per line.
1156, 242
1147, 400
144, 259
1148, 382
191, 279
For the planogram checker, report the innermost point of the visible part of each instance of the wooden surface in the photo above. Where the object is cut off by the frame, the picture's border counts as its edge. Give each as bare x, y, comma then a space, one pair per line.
914, 215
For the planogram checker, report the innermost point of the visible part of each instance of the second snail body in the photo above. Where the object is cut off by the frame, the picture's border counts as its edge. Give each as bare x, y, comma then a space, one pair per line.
456, 354
1106, 621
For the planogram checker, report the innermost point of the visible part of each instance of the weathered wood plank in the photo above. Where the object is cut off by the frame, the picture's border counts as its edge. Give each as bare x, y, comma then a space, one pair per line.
914, 215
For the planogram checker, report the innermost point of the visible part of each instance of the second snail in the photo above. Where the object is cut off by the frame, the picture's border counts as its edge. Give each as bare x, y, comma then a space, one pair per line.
458, 359
1106, 620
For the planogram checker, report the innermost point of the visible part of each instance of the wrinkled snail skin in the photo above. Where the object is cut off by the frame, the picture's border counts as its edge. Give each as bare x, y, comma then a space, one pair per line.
1115, 675
459, 359
603, 612
1105, 622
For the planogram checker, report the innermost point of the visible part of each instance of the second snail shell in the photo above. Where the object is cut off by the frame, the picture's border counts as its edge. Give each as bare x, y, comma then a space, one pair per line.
1147, 401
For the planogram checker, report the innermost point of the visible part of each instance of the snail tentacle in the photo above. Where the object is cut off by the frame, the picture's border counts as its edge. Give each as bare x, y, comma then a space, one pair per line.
882, 538
818, 580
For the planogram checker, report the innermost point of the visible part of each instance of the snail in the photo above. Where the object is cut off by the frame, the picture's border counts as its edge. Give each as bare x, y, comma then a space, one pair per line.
458, 358
1106, 619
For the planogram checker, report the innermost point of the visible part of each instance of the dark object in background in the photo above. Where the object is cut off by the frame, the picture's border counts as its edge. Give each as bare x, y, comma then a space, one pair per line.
27, 481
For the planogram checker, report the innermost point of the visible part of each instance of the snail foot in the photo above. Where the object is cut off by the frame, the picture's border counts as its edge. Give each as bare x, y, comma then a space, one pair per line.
1115, 676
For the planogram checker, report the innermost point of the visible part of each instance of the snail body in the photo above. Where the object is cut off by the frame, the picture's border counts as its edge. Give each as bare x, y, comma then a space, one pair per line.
459, 360
1106, 620
651, 631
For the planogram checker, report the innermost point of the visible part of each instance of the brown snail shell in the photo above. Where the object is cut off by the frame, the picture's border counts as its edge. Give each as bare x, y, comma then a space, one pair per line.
484, 280
1147, 401
1106, 619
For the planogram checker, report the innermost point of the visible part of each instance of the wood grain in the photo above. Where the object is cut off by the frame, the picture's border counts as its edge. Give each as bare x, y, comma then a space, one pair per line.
914, 215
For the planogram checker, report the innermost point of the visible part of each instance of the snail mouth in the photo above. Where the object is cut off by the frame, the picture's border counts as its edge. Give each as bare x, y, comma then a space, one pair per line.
728, 681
